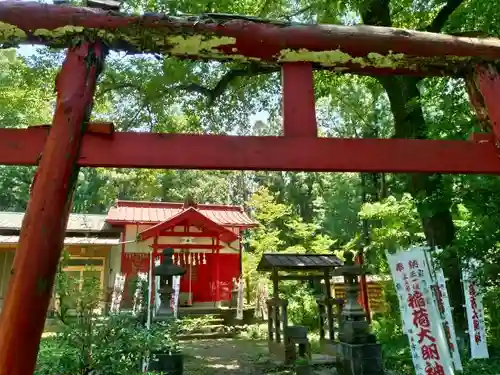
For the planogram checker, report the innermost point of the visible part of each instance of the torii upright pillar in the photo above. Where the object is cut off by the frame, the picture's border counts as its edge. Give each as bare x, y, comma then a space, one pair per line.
42, 233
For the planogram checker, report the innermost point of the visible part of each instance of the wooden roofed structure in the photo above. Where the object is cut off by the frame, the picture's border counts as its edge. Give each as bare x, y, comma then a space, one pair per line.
298, 262
299, 267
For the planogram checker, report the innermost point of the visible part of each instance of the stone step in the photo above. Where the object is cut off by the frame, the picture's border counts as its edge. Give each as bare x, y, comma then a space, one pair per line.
206, 320
199, 312
209, 328
207, 336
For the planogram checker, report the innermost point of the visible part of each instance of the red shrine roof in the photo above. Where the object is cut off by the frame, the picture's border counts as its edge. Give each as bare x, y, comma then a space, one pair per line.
190, 216
128, 212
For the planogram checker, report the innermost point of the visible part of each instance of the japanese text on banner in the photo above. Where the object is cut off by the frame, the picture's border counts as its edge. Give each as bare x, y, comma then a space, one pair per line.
422, 321
475, 318
444, 307
400, 284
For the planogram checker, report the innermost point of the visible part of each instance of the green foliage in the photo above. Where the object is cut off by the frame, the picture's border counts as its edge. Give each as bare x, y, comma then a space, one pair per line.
282, 230
491, 303
55, 357
118, 346
302, 307
114, 344
486, 367
398, 226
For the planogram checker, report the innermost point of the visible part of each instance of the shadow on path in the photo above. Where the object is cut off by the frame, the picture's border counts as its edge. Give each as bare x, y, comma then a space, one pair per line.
223, 356
233, 356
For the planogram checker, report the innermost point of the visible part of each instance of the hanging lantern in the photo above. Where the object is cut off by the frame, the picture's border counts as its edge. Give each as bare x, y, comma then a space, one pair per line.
189, 258
204, 259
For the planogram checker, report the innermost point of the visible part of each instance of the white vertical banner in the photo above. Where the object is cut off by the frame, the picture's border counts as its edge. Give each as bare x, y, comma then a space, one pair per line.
240, 302
444, 307
397, 270
117, 295
157, 293
145, 360
261, 296
142, 278
150, 290
176, 284
475, 317
421, 318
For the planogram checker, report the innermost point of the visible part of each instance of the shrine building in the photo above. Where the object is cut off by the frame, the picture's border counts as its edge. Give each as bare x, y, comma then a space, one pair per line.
206, 239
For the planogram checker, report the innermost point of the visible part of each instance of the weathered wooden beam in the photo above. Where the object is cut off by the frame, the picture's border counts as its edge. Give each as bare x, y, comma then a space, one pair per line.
39, 250
298, 104
487, 79
362, 49
174, 245
300, 277
176, 151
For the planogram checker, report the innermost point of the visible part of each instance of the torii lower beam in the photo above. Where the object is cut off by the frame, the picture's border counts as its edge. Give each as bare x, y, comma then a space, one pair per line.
310, 154
42, 233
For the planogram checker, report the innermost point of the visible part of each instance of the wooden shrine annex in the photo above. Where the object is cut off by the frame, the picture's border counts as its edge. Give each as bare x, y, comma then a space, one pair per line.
206, 239
295, 50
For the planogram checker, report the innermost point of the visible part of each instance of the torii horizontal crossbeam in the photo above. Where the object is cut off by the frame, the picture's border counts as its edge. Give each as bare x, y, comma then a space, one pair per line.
360, 49
177, 151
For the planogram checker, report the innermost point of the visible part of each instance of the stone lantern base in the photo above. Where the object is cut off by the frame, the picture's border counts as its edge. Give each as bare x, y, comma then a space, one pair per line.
234, 298
358, 352
359, 359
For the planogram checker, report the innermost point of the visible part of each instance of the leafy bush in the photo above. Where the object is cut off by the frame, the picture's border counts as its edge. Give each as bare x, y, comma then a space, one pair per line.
115, 344
57, 357
482, 367
302, 307
118, 344
492, 316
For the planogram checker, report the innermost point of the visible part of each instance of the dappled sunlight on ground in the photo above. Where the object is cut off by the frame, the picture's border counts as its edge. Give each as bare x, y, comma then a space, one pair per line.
233, 356
223, 356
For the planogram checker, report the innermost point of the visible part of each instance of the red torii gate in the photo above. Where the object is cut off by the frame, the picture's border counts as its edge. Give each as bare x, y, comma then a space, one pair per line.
297, 50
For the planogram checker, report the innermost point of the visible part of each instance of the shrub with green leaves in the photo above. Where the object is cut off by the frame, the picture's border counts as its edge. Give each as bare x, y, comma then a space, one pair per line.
116, 344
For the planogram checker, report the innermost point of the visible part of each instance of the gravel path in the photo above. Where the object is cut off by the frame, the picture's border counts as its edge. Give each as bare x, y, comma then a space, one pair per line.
223, 356
232, 356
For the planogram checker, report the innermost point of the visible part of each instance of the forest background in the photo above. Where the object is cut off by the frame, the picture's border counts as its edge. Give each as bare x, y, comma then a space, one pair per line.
298, 212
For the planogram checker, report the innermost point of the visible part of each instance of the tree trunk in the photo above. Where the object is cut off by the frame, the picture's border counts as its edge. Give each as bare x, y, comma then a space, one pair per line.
428, 190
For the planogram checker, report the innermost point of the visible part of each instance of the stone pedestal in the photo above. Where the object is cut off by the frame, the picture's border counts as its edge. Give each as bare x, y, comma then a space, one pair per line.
358, 351
166, 271
165, 297
359, 359
234, 298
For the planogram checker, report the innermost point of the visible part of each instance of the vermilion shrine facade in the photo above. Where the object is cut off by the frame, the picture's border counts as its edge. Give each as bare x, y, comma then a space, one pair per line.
206, 239
265, 46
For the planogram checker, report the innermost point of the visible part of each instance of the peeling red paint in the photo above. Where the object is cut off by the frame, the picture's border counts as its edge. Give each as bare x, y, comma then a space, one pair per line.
264, 42
488, 81
42, 233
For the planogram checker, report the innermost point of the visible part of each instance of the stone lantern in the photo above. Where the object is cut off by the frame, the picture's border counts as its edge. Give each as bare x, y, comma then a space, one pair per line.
358, 351
166, 271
